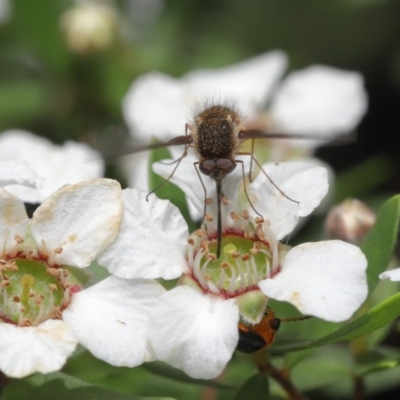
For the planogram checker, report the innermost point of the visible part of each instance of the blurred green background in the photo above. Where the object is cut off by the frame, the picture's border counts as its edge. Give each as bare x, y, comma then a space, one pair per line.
59, 91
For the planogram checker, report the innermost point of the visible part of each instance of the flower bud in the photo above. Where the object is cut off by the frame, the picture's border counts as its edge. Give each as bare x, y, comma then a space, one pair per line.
89, 27
350, 221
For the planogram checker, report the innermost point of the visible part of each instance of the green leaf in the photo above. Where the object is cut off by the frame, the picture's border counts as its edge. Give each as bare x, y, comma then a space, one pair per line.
374, 361
168, 372
62, 387
377, 317
255, 388
379, 245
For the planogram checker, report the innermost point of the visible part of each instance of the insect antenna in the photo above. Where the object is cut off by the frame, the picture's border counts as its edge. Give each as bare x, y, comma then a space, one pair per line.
302, 318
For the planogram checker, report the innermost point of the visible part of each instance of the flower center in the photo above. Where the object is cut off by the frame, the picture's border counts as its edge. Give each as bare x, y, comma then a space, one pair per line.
31, 291
244, 261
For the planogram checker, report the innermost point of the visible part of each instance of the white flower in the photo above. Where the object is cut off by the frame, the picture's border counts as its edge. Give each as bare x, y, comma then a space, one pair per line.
45, 310
54, 165
195, 326
318, 100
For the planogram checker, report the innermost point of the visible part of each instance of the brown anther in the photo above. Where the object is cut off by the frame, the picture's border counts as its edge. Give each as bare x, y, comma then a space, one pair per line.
52, 287
211, 256
245, 257
5, 283
235, 254
190, 242
19, 239
38, 301
204, 246
199, 233
53, 272
259, 220
13, 267
65, 272
209, 218
235, 216
224, 200
225, 265
31, 294
26, 322
16, 299
3, 262
260, 232
58, 250
245, 215
209, 201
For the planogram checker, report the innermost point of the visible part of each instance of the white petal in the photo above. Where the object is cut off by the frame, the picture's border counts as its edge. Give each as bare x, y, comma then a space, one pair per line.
249, 83
57, 165
304, 183
111, 319
195, 332
320, 100
152, 239
26, 350
324, 279
13, 220
81, 219
393, 275
18, 172
155, 106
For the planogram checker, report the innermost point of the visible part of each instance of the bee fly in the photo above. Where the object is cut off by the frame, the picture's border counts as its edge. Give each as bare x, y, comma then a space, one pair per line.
216, 136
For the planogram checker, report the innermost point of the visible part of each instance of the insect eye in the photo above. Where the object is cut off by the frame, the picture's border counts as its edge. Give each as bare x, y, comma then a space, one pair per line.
226, 165
275, 324
207, 166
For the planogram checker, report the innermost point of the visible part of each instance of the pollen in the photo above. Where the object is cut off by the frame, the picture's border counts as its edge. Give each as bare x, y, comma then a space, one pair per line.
18, 239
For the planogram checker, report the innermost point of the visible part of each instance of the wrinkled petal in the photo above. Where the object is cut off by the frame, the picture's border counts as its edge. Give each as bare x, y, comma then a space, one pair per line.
320, 100
194, 332
393, 275
43, 348
249, 83
111, 319
13, 220
324, 279
303, 186
56, 165
156, 106
186, 178
151, 242
16, 172
81, 219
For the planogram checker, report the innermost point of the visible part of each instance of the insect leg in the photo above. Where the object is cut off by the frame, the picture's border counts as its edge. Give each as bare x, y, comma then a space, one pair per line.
268, 177
171, 174
245, 190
